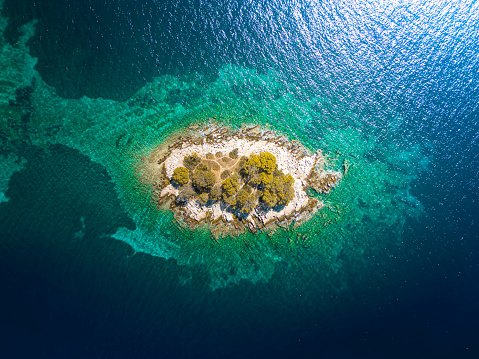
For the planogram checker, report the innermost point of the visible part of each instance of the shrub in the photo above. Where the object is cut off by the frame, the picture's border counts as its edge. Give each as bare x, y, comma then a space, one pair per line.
211, 165
180, 176
234, 154
225, 174
225, 160
203, 180
202, 167
191, 161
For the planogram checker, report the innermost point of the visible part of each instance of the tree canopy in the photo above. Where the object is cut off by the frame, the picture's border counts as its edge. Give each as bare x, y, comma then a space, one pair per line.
203, 180
255, 180
230, 185
180, 176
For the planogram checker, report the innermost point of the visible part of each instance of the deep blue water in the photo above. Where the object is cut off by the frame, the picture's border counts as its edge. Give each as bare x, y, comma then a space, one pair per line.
403, 73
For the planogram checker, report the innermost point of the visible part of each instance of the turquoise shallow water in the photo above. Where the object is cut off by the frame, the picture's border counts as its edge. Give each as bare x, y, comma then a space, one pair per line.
385, 268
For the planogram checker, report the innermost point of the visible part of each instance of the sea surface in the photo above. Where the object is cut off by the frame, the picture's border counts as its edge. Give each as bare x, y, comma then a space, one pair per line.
91, 268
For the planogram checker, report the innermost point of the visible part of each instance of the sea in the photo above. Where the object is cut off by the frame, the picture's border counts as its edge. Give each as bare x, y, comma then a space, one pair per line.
387, 90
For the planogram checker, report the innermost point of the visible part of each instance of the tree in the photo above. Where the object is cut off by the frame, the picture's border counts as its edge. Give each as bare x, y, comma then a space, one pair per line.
241, 198
203, 180
251, 169
267, 162
269, 198
286, 196
180, 176
242, 166
230, 185
215, 194
250, 204
253, 164
231, 200
265, 179
278, 184
281, 187
248, 188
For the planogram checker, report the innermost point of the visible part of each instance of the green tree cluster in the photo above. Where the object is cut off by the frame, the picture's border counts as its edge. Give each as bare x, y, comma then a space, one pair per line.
258, 169
257, 179
203, 179
280, 191
230, 185
180, 176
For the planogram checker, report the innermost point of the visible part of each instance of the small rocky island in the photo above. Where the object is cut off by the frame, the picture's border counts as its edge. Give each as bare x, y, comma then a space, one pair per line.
251, 179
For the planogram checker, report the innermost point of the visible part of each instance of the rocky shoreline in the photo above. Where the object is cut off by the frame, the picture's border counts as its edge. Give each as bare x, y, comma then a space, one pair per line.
306, 168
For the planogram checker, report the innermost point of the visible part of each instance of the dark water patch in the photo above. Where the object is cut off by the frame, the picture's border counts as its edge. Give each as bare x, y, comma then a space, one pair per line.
70, 291
43, 257
110, 49
437, 325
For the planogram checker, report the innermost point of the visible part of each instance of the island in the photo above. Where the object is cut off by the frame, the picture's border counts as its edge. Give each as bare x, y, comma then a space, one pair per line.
234, 181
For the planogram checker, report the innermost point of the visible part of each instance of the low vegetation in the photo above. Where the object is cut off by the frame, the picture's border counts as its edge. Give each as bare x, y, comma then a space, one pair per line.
191, 161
